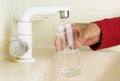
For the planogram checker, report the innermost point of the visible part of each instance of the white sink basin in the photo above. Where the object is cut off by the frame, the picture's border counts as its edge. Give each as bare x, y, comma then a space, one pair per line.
102, 65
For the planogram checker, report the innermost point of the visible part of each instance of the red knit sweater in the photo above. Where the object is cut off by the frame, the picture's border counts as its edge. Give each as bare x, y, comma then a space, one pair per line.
110, 31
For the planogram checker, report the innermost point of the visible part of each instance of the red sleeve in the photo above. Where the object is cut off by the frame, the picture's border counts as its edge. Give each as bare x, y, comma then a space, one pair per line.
110, 33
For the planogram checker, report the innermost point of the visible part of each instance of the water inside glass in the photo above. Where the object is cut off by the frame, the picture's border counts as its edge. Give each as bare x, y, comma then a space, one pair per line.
70, 62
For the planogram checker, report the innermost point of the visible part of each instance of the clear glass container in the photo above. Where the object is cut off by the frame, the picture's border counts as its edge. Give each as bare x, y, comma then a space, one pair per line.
69, 57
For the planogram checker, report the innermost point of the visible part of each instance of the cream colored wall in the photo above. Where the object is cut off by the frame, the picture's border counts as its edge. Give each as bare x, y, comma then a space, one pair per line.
81, 11
7, 9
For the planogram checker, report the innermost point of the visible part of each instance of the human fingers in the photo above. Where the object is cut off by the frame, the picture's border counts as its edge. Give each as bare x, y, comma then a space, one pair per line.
89, 35
58, 44
77, 27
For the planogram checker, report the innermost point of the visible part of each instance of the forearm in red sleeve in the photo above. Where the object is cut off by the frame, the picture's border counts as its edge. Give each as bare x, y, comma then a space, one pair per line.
110, 33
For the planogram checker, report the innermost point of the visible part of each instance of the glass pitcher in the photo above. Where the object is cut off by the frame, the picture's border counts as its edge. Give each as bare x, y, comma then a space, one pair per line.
69, 57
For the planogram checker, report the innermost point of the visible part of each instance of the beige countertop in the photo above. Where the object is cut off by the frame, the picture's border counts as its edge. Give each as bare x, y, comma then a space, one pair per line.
102, 65
12, 71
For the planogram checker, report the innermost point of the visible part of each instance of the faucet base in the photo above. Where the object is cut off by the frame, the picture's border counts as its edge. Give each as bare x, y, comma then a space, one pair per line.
21, 60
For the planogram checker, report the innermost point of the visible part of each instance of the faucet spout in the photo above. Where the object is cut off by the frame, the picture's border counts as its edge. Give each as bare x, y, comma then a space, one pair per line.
43, 11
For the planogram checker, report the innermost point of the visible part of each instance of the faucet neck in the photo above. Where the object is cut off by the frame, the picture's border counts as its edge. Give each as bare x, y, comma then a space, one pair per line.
24, 28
